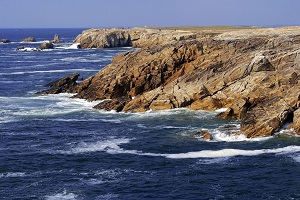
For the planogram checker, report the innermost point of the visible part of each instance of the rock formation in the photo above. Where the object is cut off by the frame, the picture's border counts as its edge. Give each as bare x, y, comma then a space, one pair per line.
254, 73
203, 134
66, 84
136, 37
4, 41
56, 39
29, 39
46, 45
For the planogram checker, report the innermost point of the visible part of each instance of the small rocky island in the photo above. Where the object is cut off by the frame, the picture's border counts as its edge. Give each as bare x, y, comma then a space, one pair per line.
253, 72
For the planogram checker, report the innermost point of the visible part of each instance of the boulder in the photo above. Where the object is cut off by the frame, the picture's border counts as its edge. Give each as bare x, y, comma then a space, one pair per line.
203, 134
46, 45
4, 41
29, 39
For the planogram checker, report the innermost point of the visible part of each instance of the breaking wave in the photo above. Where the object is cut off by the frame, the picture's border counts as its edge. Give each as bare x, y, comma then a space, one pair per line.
112, 146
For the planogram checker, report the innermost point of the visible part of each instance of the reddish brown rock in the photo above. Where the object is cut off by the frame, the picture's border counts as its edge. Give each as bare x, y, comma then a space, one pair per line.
203, 134
253, 73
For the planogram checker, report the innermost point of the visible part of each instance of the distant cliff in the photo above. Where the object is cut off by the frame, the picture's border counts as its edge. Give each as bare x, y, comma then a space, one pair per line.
253, 72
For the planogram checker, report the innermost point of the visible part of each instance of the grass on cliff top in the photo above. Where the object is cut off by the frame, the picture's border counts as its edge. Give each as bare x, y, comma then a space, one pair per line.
207, 29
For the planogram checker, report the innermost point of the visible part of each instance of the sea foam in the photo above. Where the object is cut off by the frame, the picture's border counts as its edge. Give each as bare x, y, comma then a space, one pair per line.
61, 196
112, 146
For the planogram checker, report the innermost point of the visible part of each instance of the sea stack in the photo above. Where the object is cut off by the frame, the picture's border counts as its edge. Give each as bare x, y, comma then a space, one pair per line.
56, 39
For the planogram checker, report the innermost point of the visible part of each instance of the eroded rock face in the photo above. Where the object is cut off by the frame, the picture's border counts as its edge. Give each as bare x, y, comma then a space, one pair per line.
255, 74
66, 84
136, 37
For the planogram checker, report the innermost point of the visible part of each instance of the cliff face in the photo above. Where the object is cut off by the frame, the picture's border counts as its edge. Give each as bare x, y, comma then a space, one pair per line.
136, 37
254, 73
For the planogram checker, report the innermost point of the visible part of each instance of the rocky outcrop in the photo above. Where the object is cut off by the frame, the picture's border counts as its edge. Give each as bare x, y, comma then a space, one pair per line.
29, 39
254, 73
56, 39
46, 45
66, 84
136, 37
203, 134
4, 41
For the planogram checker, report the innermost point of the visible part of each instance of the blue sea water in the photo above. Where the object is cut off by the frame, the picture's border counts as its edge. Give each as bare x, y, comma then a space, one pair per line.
56, 147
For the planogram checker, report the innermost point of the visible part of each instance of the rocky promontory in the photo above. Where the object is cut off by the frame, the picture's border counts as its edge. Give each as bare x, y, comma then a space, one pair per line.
252, 72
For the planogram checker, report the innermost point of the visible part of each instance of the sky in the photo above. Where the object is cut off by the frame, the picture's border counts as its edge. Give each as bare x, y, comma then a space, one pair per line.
139, 13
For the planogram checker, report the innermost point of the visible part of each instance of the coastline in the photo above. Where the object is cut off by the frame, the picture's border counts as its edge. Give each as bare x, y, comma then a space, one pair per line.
253, 72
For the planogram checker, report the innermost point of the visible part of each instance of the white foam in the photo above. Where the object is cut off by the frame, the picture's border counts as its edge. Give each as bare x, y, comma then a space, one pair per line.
74, 46
221, 110
219, 136
12, 174
37, 42
46, 105
296, 158
113, 147
209, 161
232, 153
29, 49
61, 196
108, 196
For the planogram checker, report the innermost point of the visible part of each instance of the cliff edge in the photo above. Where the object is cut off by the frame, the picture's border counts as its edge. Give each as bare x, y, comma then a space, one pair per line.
254, 73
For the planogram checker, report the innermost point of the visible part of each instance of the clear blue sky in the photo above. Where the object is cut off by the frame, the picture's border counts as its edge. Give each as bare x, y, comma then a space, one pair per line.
131, 13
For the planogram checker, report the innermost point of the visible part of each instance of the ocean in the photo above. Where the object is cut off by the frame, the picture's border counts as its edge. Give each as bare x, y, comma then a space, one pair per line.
57, 147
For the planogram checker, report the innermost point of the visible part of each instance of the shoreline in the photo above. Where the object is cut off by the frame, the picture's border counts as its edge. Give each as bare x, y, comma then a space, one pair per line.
253, 72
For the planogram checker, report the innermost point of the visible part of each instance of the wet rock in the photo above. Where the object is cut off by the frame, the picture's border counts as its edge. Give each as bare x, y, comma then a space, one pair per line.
203, 134
66, 84
4, 41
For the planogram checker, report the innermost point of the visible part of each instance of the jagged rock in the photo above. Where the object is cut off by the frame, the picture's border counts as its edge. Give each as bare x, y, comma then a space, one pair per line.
254, 73
296, 121
203, 134
29, 39
56, 39
66, 84
112, 104
46, 45
4, 41
20, 48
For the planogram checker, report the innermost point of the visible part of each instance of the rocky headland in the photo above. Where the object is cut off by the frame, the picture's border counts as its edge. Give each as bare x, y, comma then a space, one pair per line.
253, 72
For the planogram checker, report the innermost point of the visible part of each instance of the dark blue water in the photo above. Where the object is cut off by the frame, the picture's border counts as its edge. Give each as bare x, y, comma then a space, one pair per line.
55, 147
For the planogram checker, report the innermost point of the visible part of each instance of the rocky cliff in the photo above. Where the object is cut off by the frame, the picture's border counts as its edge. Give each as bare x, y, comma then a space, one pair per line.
253, 72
